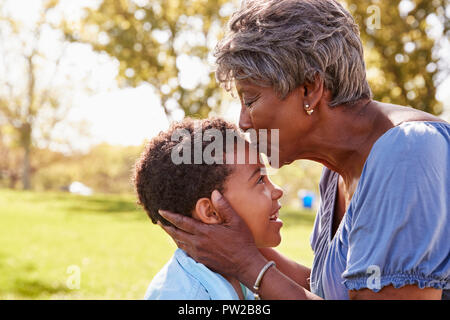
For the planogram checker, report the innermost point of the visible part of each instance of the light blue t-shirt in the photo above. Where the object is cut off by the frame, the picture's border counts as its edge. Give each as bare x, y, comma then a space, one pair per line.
182, 278
396, 230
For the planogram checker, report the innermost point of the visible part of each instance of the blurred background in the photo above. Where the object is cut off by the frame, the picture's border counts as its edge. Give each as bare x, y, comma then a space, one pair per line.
85, 83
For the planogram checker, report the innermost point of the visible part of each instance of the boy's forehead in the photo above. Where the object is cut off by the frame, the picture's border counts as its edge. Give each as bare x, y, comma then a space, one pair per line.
244, 155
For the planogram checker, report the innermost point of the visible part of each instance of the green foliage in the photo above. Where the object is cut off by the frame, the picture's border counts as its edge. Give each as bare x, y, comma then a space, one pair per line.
104, 168
301, 174
111, 240
399, 50
109, 168
399, 54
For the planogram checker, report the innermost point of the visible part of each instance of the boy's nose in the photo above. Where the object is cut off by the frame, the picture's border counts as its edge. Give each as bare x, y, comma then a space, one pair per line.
277, 192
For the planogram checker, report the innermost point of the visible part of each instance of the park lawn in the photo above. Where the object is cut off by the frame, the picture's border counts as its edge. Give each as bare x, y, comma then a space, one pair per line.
47, 239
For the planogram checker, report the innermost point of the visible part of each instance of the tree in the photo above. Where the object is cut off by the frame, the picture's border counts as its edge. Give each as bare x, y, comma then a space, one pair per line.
37, 86
152, 40
105, 168
403, 66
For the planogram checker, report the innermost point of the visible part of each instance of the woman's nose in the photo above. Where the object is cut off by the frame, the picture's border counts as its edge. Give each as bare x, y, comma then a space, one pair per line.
245, 121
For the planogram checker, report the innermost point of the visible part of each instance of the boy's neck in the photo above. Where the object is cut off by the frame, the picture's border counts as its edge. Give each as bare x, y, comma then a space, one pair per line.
236, 285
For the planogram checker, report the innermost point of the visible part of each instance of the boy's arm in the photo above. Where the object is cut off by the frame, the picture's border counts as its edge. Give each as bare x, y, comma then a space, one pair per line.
290, 268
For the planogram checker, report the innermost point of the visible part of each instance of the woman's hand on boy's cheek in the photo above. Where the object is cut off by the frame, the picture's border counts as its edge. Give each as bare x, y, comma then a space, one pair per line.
222, 247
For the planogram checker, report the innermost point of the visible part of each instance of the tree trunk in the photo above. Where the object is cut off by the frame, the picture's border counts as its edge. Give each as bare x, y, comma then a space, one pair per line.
26, 180
27, 126
25, 132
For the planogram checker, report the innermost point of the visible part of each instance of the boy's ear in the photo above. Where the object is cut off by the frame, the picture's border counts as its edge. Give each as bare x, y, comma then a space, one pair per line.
204, 211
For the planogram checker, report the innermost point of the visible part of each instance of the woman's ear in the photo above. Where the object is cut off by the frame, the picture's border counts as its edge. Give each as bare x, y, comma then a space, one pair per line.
204, 211
312, 92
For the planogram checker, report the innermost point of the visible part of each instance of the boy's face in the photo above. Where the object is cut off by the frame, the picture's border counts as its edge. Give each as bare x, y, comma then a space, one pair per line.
255, 198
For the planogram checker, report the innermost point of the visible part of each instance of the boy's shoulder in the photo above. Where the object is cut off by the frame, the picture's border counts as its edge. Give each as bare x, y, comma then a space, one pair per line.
173, 282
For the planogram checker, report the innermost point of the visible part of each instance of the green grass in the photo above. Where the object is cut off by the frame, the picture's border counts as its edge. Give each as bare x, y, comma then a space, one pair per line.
108, 237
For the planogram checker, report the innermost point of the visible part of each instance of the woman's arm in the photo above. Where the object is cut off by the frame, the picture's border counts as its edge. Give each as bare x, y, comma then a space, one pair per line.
274, 285
297, 272
408, 292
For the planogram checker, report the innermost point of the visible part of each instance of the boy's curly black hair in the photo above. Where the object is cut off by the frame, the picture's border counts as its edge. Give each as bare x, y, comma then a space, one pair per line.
162, 184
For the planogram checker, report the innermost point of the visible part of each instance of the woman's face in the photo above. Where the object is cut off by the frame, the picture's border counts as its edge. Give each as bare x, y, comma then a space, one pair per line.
255, 198
261, 108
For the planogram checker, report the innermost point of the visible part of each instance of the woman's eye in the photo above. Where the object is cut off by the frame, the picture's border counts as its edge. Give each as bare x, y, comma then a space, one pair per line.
249, 104
251, 101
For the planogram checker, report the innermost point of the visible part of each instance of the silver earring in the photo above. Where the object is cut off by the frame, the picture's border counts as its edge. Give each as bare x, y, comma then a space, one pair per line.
309, 112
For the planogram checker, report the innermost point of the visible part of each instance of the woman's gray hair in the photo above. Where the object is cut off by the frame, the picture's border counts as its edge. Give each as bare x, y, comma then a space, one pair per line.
286, 43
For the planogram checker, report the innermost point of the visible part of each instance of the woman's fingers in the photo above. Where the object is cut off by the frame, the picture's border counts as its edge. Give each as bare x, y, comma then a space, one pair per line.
182, 222
221, 204
179, 236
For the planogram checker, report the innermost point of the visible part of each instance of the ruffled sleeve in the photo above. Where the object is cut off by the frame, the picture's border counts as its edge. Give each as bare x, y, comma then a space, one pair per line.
399, 230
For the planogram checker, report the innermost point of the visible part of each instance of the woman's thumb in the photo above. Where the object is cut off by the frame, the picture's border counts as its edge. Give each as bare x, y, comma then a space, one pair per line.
221, 204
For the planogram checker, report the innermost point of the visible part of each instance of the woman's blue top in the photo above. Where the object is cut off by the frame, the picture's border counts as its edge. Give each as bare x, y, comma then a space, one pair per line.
396, 230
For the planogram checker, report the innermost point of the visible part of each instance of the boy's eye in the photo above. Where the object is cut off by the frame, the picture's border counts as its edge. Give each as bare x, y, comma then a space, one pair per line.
260, 180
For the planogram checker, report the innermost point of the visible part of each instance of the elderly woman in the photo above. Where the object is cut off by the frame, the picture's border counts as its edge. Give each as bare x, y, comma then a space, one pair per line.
382, 230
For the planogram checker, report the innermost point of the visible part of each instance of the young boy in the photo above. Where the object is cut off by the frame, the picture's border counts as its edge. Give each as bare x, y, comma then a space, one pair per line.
164, 183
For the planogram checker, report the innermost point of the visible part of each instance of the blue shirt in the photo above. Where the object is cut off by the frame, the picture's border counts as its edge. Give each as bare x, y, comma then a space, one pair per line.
396, 230
182, 278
